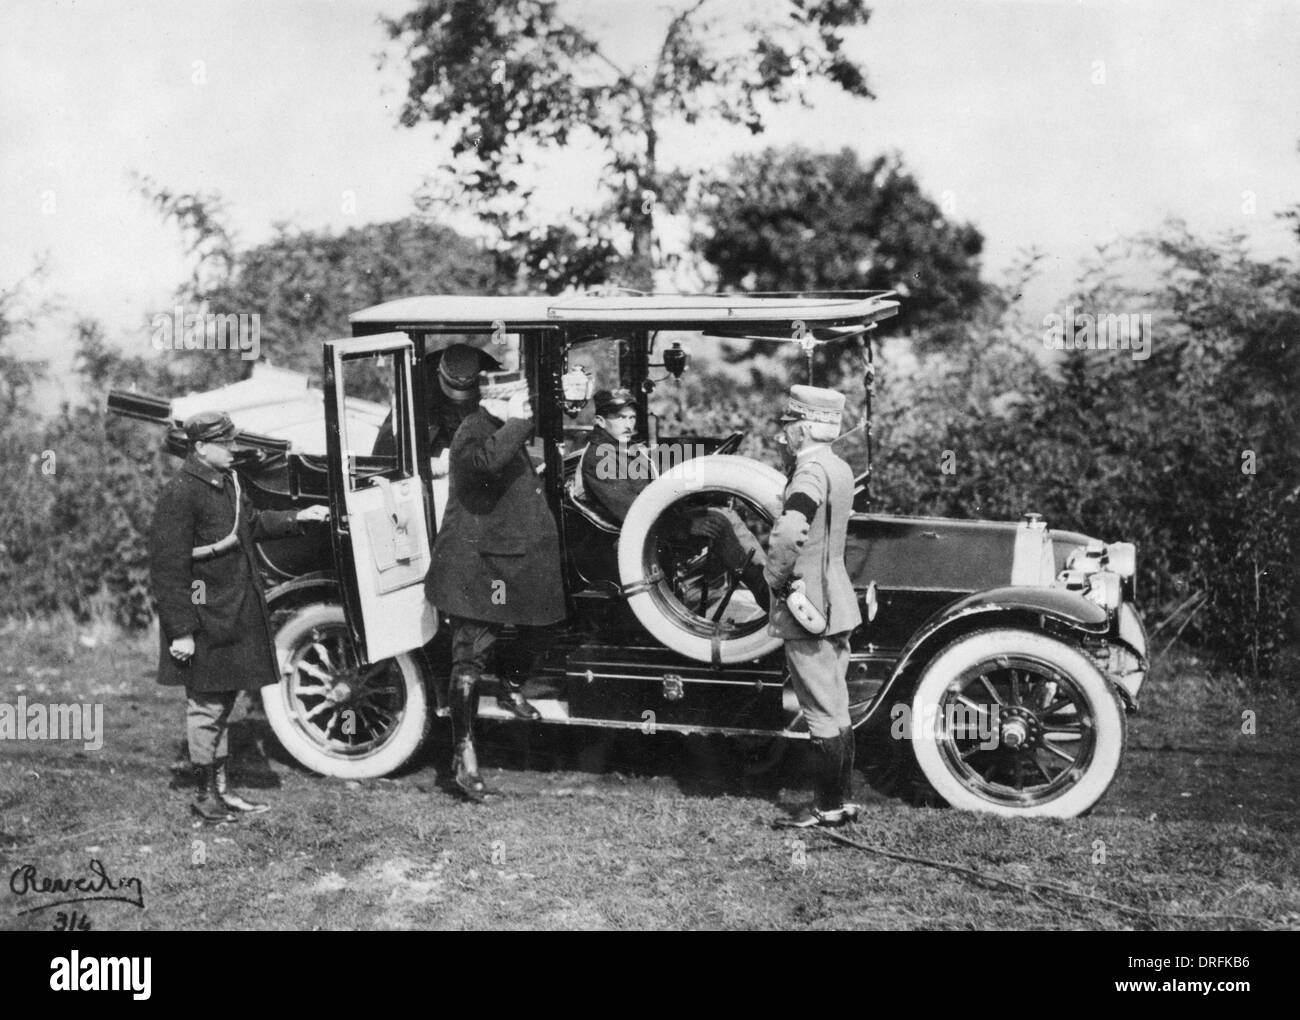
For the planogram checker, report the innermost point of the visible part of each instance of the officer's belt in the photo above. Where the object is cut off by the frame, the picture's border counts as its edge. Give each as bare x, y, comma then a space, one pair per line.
200, 553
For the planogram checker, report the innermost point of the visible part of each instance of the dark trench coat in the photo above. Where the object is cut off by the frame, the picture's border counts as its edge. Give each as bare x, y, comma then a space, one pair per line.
226, 612
497, 557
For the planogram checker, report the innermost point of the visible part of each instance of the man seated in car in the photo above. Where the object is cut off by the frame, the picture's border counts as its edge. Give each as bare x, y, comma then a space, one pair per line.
614, 470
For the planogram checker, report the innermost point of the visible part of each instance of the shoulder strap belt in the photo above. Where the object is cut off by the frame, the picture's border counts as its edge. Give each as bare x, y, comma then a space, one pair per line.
208, 552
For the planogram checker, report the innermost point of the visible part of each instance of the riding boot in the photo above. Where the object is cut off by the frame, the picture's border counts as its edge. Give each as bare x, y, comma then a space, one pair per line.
829, 809
207, 803
228, 797
848, 743
463, 703
829, 757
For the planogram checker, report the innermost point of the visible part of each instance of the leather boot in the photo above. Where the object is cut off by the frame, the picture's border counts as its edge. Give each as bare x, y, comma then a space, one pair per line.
829, 809
829, 755
848, 744
233, 801
463, 703
510, 696
207, 803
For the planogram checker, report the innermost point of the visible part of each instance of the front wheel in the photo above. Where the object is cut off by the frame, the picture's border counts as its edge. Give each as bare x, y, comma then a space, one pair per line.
1016, 723
334, 714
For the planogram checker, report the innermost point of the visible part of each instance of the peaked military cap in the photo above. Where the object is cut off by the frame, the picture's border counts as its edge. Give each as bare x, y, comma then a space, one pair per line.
210, 427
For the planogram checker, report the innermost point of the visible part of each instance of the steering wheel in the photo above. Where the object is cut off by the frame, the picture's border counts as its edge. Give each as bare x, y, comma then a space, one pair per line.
731, 444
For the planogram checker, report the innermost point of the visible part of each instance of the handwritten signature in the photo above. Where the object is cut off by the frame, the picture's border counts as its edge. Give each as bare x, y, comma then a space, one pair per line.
27, 881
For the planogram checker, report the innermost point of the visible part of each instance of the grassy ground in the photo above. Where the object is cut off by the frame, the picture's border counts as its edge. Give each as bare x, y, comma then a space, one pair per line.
1199, 830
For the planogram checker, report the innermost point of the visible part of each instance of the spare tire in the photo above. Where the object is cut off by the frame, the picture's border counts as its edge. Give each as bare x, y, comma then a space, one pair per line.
652, 596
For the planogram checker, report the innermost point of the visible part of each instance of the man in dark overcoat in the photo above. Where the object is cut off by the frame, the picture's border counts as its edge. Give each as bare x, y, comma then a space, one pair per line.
496, 560
215, 629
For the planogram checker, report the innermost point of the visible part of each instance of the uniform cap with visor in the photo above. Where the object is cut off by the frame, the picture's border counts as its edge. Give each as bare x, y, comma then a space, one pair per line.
458, 371
611, 401
210, 427
814, 404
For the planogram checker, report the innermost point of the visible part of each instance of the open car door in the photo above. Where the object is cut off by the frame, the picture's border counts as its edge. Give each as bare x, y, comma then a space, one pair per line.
378, 504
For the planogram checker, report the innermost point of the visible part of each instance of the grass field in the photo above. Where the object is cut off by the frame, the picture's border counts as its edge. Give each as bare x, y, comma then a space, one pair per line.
1198, 831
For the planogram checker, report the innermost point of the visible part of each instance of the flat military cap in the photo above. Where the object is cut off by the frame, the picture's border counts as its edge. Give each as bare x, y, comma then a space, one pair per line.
609, 401
811, 403
458, 370
501, 385
210, 427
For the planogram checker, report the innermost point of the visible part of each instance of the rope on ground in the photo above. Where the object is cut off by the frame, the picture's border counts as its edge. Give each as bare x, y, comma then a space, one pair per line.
1031, 888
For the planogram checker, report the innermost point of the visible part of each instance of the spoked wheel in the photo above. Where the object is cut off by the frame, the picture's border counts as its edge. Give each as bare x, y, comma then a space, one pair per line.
336, 715
1016, 723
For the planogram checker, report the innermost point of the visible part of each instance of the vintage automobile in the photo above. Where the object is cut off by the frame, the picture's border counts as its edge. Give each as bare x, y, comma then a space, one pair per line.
994, 667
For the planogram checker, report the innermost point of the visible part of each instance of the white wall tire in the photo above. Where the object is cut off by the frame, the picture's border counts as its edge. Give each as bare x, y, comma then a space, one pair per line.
321, 683
1059, 726
656, 608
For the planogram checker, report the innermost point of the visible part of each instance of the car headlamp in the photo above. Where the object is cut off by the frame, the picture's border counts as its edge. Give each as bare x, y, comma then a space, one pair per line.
1105, 590
1087, 559
1121, 557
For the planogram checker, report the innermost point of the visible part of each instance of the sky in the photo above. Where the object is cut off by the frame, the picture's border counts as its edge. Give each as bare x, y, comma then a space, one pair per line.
1056, 124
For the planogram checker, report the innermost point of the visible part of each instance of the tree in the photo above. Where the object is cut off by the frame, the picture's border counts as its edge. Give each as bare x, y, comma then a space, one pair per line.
303, 284
514, 77
19, 374
792, 219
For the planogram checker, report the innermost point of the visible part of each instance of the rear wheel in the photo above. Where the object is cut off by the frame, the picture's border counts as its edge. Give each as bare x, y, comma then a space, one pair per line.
335, 715
1016, 723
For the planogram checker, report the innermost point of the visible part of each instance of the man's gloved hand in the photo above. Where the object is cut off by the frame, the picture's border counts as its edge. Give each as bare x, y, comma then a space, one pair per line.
722, 537
520, 406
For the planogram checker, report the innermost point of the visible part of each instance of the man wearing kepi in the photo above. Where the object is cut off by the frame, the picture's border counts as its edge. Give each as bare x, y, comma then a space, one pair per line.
807, 547
212, 615
496, 560
614, 470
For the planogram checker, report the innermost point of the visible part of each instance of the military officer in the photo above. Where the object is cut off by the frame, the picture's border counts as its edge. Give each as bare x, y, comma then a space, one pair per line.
452, 397
215, 629
496, 560
807, 543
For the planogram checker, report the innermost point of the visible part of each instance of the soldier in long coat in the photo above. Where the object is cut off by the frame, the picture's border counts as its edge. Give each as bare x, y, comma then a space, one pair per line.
215, 629
802, 546
496, 560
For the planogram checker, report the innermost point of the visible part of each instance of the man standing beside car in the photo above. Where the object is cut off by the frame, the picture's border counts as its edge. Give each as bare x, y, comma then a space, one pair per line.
807, 545
213, 621
496, 560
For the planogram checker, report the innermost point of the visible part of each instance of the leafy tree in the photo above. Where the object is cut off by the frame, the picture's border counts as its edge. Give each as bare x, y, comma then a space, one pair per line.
792, 219
302, 284
19, 374
516, 77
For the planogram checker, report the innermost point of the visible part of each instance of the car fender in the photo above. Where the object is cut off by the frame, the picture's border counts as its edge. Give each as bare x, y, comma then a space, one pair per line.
1030, 606
286, 594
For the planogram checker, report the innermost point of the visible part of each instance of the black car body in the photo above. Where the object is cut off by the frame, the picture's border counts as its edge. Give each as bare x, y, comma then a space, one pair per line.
996, 660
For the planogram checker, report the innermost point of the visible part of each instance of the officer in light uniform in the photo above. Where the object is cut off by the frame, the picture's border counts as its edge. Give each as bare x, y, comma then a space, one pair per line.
802, 546
212, 615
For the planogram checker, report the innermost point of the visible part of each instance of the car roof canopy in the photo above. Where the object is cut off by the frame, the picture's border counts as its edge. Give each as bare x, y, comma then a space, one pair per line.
745, 313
